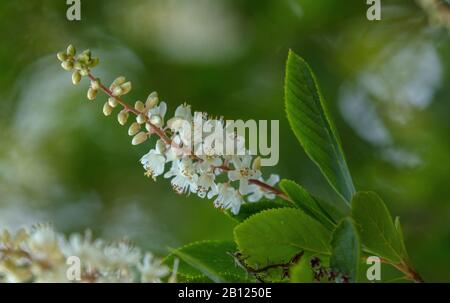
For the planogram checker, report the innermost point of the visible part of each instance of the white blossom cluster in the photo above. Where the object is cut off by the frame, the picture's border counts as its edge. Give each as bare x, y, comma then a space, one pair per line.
40, 254
201, 155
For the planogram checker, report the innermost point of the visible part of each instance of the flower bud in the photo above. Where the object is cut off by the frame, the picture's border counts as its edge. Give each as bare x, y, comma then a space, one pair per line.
107, 109
62, 56
117, 91
152, 100
122, 117
118, 81
95, 85
126, 87
84, 72
67, 65
94, 62
91, 94
134, 129
76, 77
160, 146
139, 106
148, 127
140, 118
156, 120
112, 102
257, 163
139, 138
71, 50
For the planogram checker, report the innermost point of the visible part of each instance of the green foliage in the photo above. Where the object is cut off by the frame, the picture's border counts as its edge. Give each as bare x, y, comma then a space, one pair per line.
249, 209
302, 272
308, 117
376, 227
277, 235
346, 250
207, 261
306, 202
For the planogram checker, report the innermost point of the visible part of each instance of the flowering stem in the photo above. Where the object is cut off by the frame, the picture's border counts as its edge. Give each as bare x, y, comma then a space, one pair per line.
128, 108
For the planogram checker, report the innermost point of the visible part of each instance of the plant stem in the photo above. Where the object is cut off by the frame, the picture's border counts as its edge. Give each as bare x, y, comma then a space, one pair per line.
161, 133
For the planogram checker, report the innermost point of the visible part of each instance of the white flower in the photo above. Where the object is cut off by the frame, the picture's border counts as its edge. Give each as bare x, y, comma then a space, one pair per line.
243, 172
205, 182
153, 163
258, 192
151, 269
185, 177
121, 255
157, 113
89, 251
227, 197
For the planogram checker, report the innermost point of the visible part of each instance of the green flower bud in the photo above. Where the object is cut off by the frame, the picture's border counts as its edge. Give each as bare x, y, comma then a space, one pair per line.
117, 91
91, 94
76, 77
256, 163
122, 117
118, 81
139, 106
67, 65
152, 100
140, 119
71, 50
160, 146
94, 62
95, 84
112, 102
62, 56
126, 87
107, 109
139, 138
134, 129
84, 72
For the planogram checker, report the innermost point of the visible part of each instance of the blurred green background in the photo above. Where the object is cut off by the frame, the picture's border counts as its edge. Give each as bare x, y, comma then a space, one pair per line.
386, 82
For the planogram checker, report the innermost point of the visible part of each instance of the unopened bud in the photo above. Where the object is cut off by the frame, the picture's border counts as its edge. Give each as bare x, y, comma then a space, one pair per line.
76, 77
118, 81
160, 146
148, 127
122, 117
257, 163
139, 106
117, 91
95, 84
134, 129
91, 94
156, 120
67, 65
140, 118
126, 87
84, 72
152, 100
71, 50
112, 102
62, 56
139, 138
94, 62
107, 109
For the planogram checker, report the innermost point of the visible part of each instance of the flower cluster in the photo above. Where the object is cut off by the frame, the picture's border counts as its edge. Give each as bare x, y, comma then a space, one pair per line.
200, 154
43, 255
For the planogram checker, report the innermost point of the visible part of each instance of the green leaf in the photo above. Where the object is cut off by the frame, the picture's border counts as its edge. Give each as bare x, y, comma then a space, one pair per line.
211, 259
275, 236
312, 125
346, 250
249, 209
306, 202
376, 228
302, 272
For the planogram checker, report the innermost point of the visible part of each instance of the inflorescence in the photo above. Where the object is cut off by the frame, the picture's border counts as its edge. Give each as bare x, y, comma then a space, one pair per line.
197, 162
40, 254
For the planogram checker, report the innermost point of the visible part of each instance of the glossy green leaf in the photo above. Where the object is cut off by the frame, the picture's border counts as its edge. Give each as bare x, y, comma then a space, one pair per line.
275, 236
207, 260
306, 202
312, 125
376, 227
249, 209
346, 250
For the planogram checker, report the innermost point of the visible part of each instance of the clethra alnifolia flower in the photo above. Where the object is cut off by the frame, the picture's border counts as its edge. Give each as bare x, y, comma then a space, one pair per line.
192, 147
